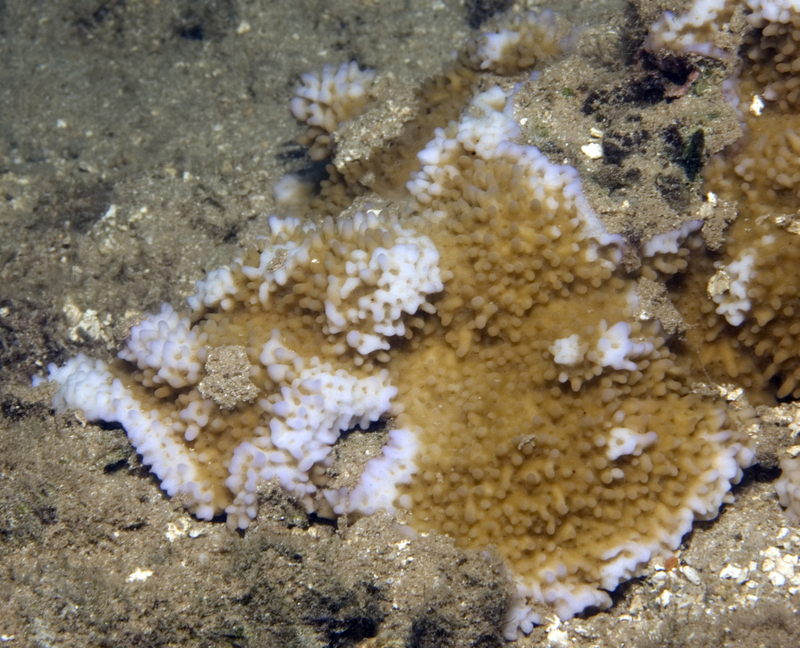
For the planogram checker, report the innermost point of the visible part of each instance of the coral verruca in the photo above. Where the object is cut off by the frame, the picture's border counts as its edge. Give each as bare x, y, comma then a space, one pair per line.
484, 311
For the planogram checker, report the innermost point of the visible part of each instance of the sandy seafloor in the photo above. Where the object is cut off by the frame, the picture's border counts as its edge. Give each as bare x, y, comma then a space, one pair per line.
139, 141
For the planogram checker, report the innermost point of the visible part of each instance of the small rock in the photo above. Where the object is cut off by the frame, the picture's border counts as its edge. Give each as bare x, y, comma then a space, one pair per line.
691, 574
731, 571
592, 150
777, 579
557, 638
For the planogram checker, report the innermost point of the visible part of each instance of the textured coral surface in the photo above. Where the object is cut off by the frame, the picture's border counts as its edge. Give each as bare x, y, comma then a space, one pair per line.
501, 286
472, 352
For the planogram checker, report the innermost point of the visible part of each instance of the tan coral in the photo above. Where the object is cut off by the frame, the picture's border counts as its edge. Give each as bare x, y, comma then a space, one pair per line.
517, 454
772, 57
324, 100
752, 298
579, 465
517, 42
537, 410
375, 149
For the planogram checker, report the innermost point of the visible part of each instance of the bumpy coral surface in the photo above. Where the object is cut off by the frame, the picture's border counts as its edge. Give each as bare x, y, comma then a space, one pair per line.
325, 100
534, 406
517, 42
362, 161
604, 459
743, 318
499, 288
695, 30
304, 322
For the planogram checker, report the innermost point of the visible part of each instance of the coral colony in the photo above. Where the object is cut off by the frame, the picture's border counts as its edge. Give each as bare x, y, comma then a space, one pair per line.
531, 405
